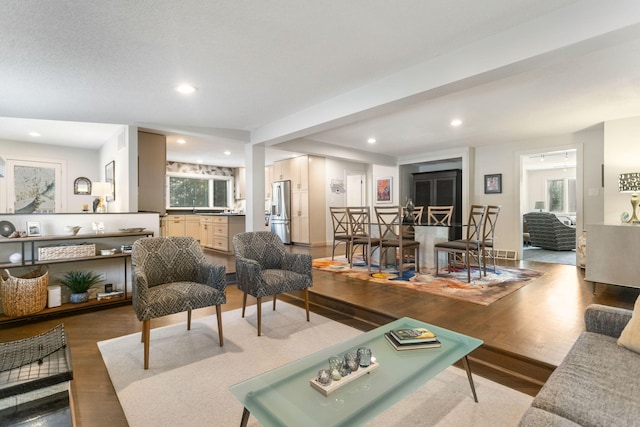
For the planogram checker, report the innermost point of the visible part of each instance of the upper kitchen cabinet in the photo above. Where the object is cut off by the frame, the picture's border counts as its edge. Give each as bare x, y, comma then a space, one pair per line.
282, 170
240, 180
152, 166
300, 172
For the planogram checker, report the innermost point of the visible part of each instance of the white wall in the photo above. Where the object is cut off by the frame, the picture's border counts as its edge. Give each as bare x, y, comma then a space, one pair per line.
79, 163
118, 149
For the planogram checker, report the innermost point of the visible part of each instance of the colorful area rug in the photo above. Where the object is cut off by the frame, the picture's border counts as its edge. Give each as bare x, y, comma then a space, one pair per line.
484, 291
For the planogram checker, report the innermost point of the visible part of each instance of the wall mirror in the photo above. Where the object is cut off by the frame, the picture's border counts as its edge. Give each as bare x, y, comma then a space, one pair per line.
82, 185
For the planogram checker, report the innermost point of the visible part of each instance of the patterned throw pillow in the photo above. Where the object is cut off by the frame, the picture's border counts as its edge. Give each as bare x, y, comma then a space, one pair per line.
630, 336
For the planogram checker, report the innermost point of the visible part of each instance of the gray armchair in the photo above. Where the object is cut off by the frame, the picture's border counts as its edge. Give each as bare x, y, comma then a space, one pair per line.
265, 268
548, 232
170, 275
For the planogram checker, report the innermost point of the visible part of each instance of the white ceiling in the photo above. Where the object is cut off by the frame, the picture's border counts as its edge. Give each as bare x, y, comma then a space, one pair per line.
329, 71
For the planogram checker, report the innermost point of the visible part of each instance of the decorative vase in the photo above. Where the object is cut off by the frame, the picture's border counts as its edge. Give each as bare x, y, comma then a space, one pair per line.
78, 298
581, 252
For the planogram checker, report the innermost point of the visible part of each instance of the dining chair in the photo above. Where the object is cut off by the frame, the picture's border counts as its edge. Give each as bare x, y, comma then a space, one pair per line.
171, 275
389, 219
488, 236
439, 215
360, 232
468, 247
408, 229
417, 212
340, 220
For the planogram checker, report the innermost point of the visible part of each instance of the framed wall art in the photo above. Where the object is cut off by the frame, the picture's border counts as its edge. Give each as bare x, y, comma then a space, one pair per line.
493, 183
384, 190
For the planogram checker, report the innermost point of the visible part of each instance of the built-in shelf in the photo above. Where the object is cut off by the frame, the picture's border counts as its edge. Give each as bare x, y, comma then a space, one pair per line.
67, 308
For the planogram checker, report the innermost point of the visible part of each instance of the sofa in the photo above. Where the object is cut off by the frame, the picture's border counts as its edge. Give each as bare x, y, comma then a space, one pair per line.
597, 384
548, 232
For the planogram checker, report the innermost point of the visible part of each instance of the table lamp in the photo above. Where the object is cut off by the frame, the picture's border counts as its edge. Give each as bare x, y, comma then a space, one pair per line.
100, 190
630, 183
539, 206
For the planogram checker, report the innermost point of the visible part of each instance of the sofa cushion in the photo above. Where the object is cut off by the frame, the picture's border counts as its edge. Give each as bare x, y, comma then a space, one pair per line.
630, 336
535, 417
595, 385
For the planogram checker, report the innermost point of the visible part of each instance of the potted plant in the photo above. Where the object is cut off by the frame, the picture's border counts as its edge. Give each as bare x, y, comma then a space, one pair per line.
79, 282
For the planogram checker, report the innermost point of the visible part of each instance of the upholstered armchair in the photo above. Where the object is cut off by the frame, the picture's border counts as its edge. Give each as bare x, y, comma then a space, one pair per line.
171, 275
265, 268
548, 232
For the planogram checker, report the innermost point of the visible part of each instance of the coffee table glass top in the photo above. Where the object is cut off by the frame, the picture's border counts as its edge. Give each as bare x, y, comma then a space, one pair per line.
284, 396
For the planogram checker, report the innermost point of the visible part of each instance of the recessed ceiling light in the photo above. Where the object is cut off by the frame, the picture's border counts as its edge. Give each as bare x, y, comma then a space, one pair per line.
181, 141
371, 140
34, 134
227, 153
456, 122
186, 89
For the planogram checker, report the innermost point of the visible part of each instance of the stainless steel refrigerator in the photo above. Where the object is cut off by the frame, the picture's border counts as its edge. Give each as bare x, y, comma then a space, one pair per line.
281, 210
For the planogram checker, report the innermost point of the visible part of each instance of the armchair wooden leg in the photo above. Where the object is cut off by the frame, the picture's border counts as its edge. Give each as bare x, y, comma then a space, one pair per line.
219, 316
274, 303
244, 302
259, 304
188, 320
306, 301
146, 333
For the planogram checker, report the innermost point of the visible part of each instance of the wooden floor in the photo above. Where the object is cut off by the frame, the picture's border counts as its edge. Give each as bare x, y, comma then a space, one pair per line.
538, 323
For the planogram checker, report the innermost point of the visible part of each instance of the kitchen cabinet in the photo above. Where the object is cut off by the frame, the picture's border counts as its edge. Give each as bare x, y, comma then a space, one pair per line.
282, 170
29, 257
300, 172
152, 167
308, 178
240, 181
268, 179
217, 231
183, 225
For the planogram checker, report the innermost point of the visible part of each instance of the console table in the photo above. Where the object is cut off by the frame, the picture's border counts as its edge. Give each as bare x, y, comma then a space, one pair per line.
612, 254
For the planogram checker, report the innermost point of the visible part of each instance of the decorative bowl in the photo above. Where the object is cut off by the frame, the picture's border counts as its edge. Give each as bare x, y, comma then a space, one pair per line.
106, 252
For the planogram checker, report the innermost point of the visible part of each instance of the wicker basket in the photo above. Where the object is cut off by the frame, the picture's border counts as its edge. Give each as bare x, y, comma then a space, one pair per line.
25, 294
47, 253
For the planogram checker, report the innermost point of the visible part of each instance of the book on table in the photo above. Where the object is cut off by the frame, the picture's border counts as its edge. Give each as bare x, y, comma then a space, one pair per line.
410, 346
413, 335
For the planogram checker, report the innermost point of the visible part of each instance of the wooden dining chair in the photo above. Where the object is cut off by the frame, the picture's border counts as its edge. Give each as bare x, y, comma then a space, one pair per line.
488, 236
340, 220
389, 219
439, 215
466, 248
360, 233
408, 229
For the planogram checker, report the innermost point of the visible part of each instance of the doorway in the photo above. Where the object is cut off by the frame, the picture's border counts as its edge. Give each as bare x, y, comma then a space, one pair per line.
355, 190
549, 187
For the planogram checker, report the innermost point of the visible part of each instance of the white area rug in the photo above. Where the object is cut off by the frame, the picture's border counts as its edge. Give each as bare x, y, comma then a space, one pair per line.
189, 376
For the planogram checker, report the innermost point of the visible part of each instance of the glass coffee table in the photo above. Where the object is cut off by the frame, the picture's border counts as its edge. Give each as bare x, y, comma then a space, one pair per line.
285, 397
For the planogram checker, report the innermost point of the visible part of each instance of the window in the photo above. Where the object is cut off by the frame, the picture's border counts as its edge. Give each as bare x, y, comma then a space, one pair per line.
201, 192
561, 195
